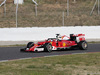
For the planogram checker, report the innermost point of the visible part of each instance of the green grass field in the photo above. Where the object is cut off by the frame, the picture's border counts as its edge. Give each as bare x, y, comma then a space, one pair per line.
49, 13
77, 64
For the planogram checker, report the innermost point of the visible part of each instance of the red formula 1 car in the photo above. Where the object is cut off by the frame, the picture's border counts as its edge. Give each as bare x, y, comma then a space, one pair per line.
58, 43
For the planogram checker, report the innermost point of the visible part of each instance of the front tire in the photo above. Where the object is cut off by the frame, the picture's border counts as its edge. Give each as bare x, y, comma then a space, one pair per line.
83, 45
30, 44
48, 47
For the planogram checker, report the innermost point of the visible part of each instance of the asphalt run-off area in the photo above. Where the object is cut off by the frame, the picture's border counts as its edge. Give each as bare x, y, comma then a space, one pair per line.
13, 53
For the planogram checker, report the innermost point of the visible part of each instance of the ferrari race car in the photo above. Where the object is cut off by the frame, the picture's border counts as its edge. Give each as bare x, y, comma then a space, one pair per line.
58, 43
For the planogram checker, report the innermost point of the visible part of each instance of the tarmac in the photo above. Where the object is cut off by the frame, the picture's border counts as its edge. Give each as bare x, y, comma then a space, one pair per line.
25, 42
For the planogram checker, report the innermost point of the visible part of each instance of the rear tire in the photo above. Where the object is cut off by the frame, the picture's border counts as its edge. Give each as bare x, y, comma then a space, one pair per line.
30, 44
83, 45
48, 47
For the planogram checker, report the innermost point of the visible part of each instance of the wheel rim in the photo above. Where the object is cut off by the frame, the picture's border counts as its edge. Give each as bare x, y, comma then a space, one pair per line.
85, 45
49, 47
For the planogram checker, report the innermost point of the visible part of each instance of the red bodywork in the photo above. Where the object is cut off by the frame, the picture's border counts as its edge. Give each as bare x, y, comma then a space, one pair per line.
58, 44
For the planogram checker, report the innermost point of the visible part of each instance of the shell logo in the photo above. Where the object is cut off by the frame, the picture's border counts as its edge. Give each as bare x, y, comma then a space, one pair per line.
64, 44
36, 45
51, 42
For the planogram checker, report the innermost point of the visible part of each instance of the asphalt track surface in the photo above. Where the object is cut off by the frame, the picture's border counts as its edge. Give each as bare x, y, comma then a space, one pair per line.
13, 53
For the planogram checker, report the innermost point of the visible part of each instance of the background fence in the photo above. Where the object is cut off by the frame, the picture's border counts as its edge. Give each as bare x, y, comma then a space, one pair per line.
50, 13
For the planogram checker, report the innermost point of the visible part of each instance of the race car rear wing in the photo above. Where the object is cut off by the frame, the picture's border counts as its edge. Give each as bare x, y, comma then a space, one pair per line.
78, 35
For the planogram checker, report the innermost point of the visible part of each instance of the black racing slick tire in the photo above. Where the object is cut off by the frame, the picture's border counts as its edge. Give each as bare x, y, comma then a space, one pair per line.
83, 45
48, 47
30, 44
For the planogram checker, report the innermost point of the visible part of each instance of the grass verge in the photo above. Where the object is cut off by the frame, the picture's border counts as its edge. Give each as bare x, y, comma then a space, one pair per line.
94, 42
79, 64
17, 45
